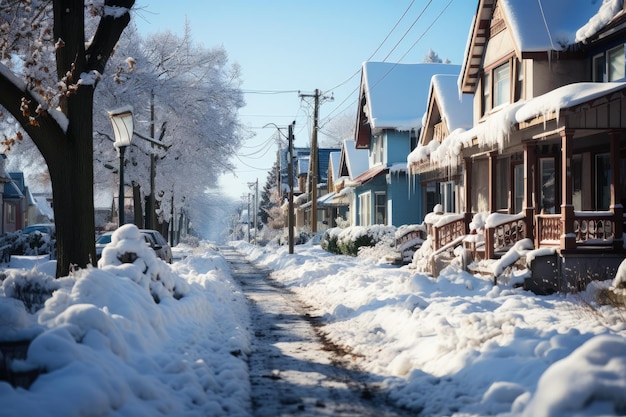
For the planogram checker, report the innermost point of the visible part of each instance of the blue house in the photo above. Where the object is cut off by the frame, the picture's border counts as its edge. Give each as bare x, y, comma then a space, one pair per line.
392, 104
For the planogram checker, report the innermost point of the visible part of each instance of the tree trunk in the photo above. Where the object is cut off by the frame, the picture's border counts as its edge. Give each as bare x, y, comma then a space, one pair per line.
68, 150
71, 174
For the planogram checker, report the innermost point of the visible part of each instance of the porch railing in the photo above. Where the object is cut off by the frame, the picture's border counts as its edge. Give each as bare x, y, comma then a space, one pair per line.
503, 232
591, 228
448, 230
594, 228
548, 229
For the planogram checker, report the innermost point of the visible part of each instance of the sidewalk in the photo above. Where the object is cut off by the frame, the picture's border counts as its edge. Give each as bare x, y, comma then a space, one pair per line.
292, 372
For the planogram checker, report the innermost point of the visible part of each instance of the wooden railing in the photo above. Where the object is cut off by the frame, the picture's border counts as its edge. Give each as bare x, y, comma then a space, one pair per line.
548, 229
505, 234
590, 228
448, 232
594, 228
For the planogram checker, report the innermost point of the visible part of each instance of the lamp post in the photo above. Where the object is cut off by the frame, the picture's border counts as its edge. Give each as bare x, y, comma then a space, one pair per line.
122, 121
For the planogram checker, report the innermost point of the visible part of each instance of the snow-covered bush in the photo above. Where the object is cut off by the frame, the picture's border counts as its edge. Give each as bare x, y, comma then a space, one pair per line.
18, 243
348, 241
30, 287
129, 255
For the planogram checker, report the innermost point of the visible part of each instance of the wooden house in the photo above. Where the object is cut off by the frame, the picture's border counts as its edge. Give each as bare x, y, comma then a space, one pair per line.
546, 155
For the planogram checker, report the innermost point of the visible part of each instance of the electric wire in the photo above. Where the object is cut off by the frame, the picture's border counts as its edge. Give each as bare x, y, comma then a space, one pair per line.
328, 119
358, 71
408, 30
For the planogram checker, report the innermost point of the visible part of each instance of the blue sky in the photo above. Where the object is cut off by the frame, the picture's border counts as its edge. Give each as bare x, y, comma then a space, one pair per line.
288, 46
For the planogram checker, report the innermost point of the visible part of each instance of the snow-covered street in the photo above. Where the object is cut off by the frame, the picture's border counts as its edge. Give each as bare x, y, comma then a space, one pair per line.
202, 337
292, 372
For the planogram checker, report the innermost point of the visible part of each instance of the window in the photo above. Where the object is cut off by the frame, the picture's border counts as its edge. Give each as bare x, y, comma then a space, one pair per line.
378, 150
547, 174
519, 83
432, 196
599, 68
603, 181
448, 196
616, 63
502, 184
486, 102
518, 188
380, 208
365, 207
502, 85
577, 182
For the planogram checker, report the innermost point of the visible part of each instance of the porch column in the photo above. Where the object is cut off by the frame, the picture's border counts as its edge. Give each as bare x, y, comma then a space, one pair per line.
616, 191
489, 238
530, 162
467, 181
493, 159
568, 238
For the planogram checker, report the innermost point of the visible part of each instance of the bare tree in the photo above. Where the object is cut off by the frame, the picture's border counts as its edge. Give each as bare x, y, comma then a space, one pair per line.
49, 71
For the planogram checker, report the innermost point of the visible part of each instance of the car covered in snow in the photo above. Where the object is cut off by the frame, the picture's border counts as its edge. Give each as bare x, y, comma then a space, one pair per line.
153, 238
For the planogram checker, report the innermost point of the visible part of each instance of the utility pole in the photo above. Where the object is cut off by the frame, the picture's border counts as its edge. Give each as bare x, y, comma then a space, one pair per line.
313, 160
290, 216
248, 219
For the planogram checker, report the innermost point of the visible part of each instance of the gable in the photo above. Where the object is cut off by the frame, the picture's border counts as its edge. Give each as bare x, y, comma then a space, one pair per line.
529, 28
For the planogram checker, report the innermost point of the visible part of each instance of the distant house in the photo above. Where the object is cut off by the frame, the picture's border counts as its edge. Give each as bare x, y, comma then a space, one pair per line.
392, 103
352, 163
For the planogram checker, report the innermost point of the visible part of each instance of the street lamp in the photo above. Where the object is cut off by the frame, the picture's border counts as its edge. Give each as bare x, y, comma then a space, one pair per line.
122, 121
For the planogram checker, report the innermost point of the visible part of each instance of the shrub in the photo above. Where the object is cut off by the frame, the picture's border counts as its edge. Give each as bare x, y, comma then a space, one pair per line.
348, 241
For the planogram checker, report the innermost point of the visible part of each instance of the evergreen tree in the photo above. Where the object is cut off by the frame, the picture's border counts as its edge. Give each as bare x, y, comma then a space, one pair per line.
266, 204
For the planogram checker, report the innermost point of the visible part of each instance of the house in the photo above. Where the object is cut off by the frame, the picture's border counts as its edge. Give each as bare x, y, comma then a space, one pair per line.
346, 165
546, 155
447, 113
302, 184
392, 102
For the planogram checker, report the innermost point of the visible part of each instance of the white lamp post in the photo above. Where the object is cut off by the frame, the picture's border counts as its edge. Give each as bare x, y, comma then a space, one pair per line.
122, 121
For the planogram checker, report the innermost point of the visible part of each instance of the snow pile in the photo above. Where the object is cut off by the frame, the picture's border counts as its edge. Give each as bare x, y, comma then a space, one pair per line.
456, 345
103, 346
128, 255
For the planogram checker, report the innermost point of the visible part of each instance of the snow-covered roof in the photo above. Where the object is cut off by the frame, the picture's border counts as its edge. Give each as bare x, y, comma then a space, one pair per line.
335, 158
357, 160
536, 26
396, 93
555, 24
495, 130
456, 112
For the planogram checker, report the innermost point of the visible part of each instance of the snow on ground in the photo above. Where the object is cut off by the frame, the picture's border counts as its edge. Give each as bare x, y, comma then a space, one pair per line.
108, 349
448, 346
457, 345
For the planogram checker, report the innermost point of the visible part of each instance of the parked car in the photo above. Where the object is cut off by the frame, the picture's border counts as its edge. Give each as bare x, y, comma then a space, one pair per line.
47, 228
161, 247
153, 239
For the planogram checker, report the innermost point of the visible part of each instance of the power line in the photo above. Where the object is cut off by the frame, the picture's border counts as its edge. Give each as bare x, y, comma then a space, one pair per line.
408, 30
357, 72
427, 29
269, 91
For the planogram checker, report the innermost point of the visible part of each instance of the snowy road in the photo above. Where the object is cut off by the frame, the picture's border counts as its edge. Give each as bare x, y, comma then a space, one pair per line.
292, 371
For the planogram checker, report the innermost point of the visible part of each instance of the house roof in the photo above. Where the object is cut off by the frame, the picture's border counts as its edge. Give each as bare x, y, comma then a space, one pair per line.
445, 104
355, 161
535, 26
335, 159
395, 94
370, 174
